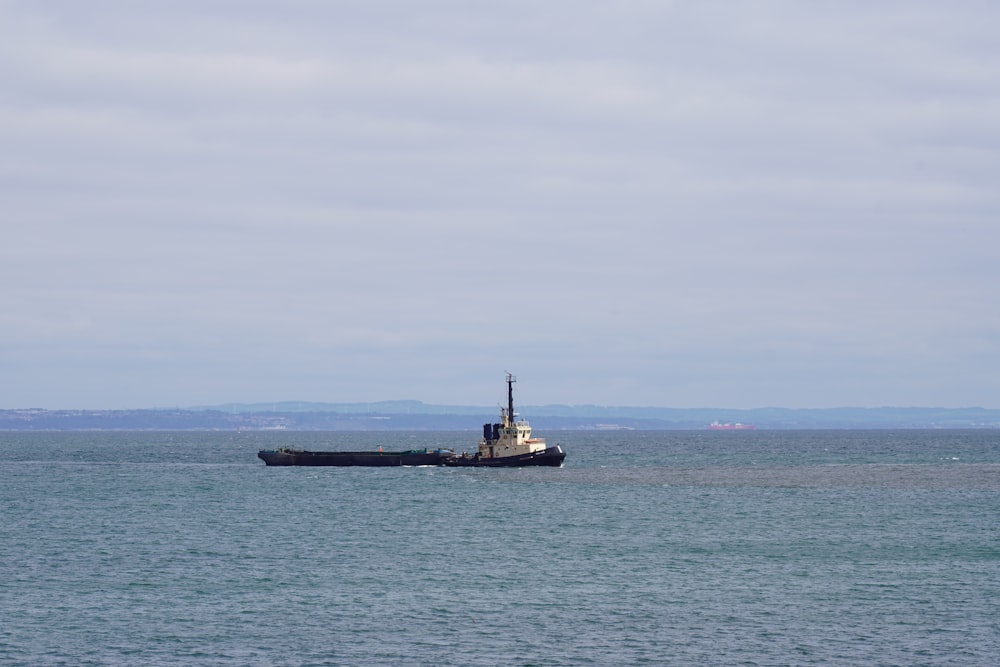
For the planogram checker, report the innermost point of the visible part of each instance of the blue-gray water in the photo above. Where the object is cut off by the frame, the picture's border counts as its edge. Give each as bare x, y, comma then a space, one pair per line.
731, 548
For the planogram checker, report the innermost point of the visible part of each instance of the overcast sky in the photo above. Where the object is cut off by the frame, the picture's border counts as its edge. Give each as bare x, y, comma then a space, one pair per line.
680, 204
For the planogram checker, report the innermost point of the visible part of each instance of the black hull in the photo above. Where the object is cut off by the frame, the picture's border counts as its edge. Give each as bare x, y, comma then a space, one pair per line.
300, 457
553, 456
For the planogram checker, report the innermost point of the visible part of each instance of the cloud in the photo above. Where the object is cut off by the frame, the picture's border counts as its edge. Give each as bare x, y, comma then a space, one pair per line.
762, 203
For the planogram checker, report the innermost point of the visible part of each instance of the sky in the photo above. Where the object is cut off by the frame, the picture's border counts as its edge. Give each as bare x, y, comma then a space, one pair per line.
678, 204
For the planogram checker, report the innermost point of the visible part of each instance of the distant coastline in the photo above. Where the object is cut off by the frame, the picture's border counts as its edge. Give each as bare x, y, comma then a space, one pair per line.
417, 416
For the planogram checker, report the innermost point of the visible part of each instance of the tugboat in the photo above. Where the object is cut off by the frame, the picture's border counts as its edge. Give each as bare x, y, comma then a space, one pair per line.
509, 444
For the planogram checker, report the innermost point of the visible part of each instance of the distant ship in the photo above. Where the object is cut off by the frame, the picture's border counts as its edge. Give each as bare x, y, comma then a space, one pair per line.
716, 426
507, 444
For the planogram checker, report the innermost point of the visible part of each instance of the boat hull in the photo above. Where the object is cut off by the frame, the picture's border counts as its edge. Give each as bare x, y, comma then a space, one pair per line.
301, 457
552, 456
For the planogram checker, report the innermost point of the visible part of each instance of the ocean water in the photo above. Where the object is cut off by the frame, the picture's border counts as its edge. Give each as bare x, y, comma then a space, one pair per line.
680, 548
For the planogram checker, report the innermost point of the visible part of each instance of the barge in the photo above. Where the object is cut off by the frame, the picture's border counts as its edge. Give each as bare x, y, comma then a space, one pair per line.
302, 457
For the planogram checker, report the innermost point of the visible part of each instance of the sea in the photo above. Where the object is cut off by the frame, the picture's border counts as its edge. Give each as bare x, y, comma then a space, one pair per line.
645, 548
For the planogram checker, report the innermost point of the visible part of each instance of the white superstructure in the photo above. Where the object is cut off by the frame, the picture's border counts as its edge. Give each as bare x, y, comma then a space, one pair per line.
510, 437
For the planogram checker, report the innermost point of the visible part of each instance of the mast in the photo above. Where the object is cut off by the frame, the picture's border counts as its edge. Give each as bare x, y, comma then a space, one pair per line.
510, 397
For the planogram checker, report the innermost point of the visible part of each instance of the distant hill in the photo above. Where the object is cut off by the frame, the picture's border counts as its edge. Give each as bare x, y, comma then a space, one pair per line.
417, 416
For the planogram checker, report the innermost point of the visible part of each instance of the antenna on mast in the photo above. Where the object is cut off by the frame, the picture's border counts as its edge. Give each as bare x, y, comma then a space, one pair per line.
510, 396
